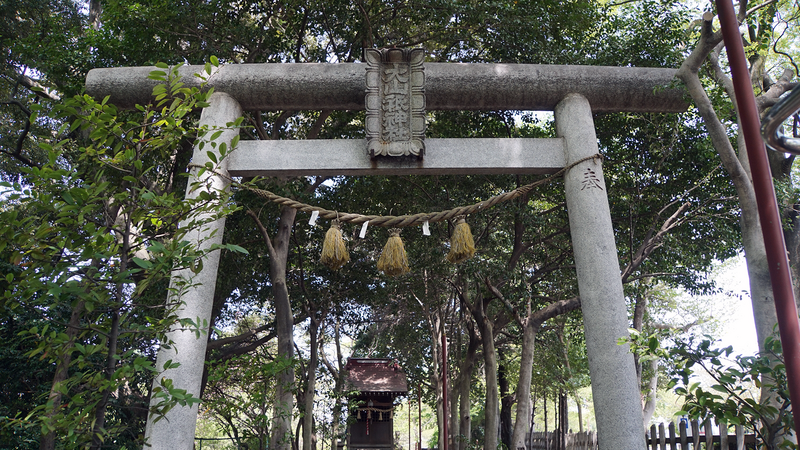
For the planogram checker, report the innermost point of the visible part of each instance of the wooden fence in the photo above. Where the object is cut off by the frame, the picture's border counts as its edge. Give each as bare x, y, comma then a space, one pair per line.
696, 436
687, 435
572, 441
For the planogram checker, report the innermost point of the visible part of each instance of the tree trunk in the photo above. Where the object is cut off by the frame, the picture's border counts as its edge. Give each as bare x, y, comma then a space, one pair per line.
506, 402
544, 399
638, 323
755, 253
531, 326
521, 426
95, 10
98, 430
492, 407
454, 428
48, 440
435, 317
563, 418
455, 353
282, 414
296, 440
736, 166
479, 309
436, 374
464, 385
308, 413
338, 388
650, 403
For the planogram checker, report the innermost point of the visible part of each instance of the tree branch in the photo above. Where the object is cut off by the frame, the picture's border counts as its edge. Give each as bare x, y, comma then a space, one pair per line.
750, 11
653, 241
35, 87
241, 344
218, 344
263, 230
775, 90
688, 73
493, 289
258, 123
553, 310
650, 275
17, 153
682, 328
279, 122
313, 132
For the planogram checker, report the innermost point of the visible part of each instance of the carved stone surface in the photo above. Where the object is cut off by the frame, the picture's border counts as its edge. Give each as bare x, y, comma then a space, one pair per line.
448, 86
395, 102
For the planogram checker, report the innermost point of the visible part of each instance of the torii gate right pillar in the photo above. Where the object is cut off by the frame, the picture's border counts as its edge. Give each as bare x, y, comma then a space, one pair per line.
614, 386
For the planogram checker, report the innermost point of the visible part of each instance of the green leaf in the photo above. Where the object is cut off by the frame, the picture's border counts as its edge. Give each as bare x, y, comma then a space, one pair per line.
143, 263
158, 75
237, 249
216, 135
170, 365
16, 259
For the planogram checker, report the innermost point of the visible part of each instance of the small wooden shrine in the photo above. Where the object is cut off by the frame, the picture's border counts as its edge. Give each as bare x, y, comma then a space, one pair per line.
376, 382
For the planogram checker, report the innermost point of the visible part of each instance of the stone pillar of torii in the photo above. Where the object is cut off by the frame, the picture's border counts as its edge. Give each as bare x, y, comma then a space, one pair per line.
394, 86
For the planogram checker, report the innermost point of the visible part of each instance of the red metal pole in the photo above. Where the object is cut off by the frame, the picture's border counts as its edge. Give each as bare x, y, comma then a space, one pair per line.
767, 204
419, 416
445, 419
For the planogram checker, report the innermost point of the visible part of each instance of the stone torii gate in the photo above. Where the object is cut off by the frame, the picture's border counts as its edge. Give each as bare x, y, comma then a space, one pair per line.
572, 92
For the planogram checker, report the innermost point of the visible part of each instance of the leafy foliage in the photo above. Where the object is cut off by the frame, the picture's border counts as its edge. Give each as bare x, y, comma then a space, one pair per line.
93, 238
733, 398
732, 394
240, 395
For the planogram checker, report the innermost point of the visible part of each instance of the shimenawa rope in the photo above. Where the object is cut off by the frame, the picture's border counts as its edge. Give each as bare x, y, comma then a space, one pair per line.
404, 220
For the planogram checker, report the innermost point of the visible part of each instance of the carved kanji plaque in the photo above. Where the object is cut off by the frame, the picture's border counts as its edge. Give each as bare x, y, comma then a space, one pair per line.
395, 102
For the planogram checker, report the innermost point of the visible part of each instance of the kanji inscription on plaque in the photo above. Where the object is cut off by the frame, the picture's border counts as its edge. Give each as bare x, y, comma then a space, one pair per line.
395, 102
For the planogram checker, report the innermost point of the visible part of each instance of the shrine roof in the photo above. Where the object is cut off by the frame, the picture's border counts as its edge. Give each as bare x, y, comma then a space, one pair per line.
376, 376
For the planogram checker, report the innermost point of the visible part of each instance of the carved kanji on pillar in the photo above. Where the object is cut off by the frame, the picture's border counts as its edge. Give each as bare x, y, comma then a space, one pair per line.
395, 102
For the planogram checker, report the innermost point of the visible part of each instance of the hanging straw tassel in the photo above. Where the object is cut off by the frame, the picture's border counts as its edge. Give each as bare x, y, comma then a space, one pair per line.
393, 260
462, 247
334, 250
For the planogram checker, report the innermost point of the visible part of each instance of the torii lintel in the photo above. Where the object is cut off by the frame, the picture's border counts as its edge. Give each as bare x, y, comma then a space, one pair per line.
449, 86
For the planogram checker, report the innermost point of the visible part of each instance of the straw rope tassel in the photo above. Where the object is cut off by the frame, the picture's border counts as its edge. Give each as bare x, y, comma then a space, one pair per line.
393, 260
334, 250
462, 247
